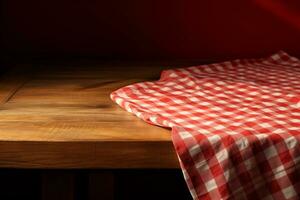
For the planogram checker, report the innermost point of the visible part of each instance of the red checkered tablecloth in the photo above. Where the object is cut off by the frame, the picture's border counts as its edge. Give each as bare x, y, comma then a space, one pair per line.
235, 125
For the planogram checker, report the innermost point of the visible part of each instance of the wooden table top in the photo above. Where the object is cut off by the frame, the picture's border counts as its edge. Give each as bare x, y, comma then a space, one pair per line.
62, 117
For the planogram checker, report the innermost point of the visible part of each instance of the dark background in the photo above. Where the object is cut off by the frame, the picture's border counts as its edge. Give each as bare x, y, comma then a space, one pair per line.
148, 29
128, 184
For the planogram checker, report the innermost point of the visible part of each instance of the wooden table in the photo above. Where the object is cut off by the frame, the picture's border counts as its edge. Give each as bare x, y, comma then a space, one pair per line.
61, 116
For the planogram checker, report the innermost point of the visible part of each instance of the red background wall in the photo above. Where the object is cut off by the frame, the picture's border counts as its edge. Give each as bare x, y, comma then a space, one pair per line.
146, 29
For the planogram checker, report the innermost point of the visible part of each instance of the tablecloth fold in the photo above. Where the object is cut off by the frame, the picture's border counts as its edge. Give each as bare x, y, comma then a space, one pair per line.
235, 125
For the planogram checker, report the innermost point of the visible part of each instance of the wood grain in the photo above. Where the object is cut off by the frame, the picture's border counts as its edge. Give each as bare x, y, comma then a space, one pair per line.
62, 117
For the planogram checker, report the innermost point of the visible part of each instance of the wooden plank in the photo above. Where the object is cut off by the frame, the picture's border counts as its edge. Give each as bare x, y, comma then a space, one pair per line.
101, 185
58, 186
64, 118
70, 130
80, 155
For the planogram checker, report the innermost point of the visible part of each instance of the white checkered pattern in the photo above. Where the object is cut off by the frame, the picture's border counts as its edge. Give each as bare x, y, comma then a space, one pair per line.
235, 125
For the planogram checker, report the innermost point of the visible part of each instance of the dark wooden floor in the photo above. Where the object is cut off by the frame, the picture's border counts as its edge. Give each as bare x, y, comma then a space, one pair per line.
92, 184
